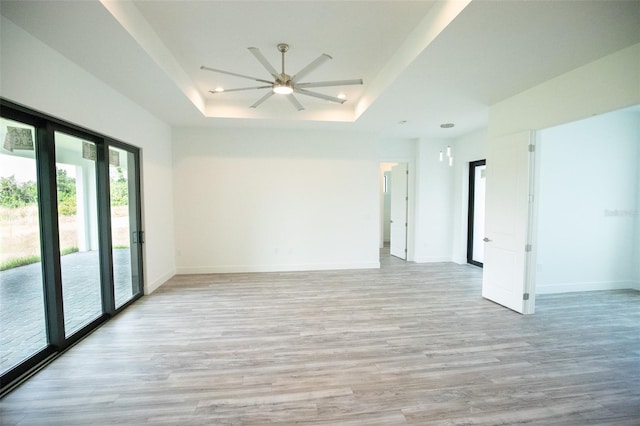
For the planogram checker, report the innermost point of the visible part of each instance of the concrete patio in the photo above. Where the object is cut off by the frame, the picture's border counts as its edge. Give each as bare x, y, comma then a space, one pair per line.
22, 320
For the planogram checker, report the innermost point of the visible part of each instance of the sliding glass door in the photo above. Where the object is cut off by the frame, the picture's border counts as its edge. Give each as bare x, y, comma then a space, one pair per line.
23, 330
126, 236
70, 236
78, 230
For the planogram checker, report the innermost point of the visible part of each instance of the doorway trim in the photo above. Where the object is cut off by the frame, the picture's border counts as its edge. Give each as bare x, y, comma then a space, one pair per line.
411, 203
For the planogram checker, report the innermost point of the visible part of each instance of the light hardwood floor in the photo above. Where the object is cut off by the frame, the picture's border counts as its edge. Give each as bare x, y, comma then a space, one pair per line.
406, 344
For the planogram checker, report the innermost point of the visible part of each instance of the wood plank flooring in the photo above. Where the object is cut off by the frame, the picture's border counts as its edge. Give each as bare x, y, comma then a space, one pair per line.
406, 344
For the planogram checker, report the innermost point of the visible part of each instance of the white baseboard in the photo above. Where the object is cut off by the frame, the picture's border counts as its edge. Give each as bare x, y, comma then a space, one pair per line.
432, 259
227, 269
585, 286
152, 286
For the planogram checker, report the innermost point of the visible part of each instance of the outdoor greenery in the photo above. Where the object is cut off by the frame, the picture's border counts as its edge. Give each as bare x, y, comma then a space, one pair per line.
27, 260
66, 193
119, 189
14, 194
19, 216
19, 261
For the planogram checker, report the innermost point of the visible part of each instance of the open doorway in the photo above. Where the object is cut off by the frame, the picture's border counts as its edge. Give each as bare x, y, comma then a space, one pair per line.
394, 209
588, 203
579, 230
386, 207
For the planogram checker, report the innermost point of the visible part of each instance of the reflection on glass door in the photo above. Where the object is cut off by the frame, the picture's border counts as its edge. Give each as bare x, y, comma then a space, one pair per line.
22, 310
125, 236
78, 227
475, 243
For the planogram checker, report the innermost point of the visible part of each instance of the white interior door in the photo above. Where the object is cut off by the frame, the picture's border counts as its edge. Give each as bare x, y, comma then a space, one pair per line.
398, 222
509, 186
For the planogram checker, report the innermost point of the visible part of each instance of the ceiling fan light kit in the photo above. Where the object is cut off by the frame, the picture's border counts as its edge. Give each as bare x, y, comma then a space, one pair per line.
284, 84
282, 89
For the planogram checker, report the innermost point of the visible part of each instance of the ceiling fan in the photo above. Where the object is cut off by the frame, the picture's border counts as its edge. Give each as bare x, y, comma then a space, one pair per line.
283, 83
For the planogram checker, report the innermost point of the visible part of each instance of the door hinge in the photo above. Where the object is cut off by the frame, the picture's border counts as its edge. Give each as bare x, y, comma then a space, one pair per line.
532, 148
527, 247
407, 172
525, 296
406, 224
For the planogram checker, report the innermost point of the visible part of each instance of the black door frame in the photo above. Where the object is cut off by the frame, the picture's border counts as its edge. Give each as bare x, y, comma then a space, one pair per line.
471, 209
45, 126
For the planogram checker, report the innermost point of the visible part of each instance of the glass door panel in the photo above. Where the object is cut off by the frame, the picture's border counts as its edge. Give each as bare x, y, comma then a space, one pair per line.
70, 251
475, 247
478, 214
23, 330
124, 226
78, 224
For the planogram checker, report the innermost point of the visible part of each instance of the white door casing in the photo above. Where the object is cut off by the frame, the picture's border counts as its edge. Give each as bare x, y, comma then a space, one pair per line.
399, 219
509, 198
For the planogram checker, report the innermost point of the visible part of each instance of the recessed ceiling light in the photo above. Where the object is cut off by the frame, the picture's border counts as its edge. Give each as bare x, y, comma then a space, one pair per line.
447, 125
218, 89
342, 96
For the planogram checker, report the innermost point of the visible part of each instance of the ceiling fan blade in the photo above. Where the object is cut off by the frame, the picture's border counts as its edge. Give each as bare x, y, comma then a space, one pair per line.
262, 99
235, 74
242, 88
312, 66
319, 95
295, 102
256, 52
331, 83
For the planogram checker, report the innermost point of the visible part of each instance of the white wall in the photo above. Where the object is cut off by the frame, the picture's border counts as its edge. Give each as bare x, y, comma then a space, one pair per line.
607, 84
34, 75
637, 214
275, 200
588, 187
433, 210
468, 148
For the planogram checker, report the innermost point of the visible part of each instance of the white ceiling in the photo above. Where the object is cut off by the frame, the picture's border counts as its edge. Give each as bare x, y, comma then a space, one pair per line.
420, 62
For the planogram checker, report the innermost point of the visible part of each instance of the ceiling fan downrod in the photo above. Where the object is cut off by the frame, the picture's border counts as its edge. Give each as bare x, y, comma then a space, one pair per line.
282, 48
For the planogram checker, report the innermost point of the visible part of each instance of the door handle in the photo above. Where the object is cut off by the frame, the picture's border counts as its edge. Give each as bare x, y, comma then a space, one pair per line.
486, 240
